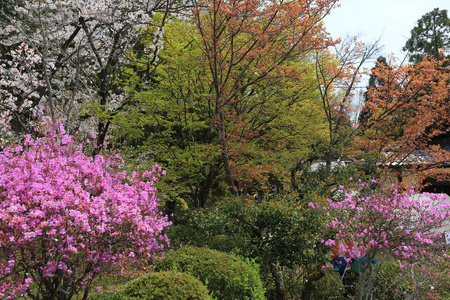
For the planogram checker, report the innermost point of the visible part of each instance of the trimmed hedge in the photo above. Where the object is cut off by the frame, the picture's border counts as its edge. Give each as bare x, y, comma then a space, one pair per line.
225, 276
164, 285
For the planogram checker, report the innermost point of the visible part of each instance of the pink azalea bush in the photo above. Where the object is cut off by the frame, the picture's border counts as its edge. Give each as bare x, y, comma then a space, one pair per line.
65, 216
368, 220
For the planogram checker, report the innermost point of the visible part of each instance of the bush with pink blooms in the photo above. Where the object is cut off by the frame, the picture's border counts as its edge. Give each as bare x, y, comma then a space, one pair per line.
369, 219
65, 217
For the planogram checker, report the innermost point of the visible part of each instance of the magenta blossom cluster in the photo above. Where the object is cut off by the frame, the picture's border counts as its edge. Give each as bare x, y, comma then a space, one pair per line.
369, 220
65, 216
366, 220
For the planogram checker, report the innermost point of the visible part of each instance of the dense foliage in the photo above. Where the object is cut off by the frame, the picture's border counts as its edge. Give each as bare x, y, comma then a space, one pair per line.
249, 107
164, 285
179, 117
225, 276
277, 233
430, 36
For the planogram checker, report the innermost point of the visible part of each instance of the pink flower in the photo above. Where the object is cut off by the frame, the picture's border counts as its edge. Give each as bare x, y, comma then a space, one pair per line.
329, 243
387, 219
75, 211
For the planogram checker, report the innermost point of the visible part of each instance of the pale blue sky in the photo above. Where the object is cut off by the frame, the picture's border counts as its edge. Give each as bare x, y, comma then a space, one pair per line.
389, 20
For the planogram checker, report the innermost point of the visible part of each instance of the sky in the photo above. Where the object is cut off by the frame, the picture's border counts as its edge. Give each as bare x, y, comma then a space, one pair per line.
390, 21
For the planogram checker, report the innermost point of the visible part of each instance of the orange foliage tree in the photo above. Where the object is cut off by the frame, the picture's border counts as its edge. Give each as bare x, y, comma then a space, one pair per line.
246, 43
404, 114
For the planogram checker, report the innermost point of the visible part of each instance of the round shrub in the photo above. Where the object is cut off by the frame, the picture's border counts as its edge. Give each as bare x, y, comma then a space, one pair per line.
164, 285
225, 276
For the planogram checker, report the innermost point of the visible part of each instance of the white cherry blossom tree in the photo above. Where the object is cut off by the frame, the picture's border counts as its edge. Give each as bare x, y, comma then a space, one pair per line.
57, 56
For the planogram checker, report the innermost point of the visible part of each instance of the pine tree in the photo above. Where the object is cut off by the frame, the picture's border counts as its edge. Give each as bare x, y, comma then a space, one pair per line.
431, 36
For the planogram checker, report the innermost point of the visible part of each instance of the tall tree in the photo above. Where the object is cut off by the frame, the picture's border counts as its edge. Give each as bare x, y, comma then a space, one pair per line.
67, 53
337, 76
405, 113
431, 36
247, 42
337, 73
269, 125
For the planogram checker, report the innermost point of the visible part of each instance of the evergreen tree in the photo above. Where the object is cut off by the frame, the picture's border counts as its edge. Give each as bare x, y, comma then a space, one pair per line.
431, 36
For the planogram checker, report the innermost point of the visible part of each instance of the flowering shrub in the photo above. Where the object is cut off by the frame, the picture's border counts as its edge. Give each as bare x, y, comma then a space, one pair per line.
369, 220
65, 216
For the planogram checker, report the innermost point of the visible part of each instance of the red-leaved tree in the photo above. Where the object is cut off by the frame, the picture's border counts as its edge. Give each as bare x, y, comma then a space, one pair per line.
403, 117
247, 43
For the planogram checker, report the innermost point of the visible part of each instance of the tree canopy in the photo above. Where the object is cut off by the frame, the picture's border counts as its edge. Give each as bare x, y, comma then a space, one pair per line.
431, 36
268, 120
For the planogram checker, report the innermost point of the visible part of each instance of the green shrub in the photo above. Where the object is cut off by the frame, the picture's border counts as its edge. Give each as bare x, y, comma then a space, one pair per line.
317, 284
431, 284
164, 286
329, 287
388, 284
225, 276
285, 231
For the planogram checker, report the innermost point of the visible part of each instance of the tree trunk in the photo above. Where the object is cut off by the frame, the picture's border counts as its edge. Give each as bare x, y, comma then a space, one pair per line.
224, 149
313, 277
365, 280
279, 284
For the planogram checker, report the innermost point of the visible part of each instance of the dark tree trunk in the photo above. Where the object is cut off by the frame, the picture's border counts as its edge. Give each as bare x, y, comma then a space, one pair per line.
314, 276
222, 136
279, 283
